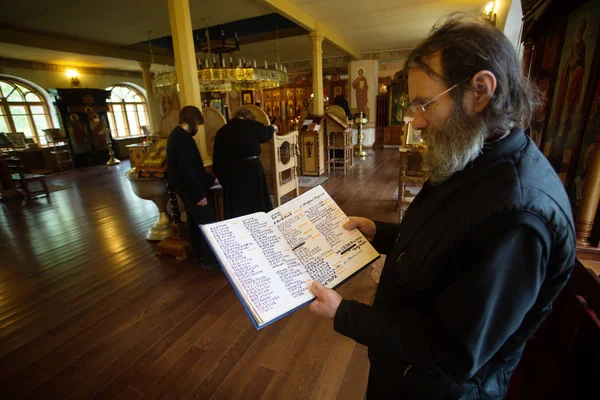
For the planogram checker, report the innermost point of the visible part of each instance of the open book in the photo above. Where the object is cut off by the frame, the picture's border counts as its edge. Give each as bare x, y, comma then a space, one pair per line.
272, 258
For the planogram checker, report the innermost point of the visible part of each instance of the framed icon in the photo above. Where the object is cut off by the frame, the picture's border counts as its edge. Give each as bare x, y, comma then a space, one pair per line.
247, 97
217, 105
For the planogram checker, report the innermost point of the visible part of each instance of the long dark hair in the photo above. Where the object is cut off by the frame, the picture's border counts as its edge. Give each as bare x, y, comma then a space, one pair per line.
191, 115
468, 46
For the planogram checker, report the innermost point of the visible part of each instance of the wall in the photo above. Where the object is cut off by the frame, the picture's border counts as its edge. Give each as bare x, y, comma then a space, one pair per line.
49, 76
389, 68
58, 79
512, 27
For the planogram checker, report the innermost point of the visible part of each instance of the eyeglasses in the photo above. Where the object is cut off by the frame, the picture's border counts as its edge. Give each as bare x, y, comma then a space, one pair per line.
415, 105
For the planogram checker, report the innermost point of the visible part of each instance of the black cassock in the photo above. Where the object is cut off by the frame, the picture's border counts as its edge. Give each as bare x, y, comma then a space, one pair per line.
238, 167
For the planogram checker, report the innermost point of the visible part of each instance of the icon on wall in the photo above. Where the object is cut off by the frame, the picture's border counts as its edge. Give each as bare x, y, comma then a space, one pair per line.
247, 97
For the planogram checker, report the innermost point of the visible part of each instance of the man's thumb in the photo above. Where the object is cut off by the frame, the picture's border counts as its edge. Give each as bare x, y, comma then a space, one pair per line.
316, 288
351, 224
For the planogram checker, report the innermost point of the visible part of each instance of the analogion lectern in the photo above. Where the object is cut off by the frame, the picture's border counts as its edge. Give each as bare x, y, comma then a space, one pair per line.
279, 157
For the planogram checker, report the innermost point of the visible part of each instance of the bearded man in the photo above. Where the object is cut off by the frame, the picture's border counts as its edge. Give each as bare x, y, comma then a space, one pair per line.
484, 248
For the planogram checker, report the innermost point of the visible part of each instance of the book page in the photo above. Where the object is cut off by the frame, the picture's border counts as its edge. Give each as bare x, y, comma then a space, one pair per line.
259, 262
312, 226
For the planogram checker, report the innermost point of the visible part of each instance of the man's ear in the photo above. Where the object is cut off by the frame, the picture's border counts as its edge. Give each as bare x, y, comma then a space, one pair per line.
484, 85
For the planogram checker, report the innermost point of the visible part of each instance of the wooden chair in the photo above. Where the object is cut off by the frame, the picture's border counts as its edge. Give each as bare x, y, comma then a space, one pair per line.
23, 179
409, 177
58, 143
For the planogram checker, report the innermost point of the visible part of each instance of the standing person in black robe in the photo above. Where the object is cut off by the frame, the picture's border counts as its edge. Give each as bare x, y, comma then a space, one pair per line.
237, 165
185, 171
341, 101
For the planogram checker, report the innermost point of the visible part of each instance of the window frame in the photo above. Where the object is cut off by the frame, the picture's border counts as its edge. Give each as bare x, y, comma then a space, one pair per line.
38, 136
123, 106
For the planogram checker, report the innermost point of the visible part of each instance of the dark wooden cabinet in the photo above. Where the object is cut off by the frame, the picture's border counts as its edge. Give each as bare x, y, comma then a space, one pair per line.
392, 136
83, 114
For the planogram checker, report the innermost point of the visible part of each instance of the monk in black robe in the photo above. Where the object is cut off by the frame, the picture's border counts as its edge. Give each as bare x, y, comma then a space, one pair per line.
238, 167
186, 172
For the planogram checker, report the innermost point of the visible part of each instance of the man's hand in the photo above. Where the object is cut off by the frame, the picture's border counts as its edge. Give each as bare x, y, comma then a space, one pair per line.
364, 225
202, 202
327, 301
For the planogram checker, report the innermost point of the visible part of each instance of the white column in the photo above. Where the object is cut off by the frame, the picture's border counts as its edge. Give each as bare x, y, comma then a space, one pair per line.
153, 111
317, 72
185, 64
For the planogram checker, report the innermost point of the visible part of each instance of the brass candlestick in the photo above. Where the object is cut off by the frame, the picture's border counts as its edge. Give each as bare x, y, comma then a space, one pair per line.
360, 121
112, 160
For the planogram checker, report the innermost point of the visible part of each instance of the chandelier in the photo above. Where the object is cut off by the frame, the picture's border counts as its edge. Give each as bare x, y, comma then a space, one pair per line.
221, 70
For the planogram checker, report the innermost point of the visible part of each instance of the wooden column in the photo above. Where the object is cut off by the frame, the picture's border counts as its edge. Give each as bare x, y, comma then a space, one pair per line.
185, 65
527, 57
317, 72
591, 196
153, 111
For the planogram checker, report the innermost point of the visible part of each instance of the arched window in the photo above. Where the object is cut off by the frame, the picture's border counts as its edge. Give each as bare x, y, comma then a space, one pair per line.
23, 109
128, 112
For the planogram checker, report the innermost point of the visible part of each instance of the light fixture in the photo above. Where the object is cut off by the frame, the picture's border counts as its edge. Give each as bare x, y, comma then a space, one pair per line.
74, 75
489, 12
221, 70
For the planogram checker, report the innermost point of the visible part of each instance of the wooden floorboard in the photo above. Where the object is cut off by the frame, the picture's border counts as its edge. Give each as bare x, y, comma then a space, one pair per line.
88, 311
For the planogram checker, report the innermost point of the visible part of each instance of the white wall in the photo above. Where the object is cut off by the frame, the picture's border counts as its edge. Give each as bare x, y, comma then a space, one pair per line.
512, 28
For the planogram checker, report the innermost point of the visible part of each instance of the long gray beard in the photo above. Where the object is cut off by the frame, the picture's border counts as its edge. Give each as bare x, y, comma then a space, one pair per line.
449, 151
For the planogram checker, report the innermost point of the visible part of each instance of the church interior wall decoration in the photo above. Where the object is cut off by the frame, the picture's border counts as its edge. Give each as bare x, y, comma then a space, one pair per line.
170, 108
247, 97
363, 83
83, 115
565, 69
573, 75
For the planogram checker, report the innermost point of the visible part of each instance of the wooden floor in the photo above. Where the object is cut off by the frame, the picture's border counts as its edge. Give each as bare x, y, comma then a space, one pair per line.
88, 311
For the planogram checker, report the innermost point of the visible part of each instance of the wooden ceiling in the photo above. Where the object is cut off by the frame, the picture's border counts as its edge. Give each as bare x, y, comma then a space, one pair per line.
127, 24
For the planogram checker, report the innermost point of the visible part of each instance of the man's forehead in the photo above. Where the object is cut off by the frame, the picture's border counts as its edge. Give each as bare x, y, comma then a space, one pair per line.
421, 81
433, 62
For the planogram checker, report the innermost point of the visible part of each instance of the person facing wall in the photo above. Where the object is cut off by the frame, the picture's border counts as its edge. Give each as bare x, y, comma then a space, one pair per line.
237, 165
186, 172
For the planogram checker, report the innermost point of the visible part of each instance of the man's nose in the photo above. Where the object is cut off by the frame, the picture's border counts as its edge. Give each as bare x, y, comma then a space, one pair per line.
419, 122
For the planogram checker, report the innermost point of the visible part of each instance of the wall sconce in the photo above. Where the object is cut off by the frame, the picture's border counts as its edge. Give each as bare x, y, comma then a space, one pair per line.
74, 75
489, 12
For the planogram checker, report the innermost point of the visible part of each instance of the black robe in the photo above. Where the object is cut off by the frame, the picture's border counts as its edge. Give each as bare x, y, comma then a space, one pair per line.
238, 168
469, 276
186, 172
